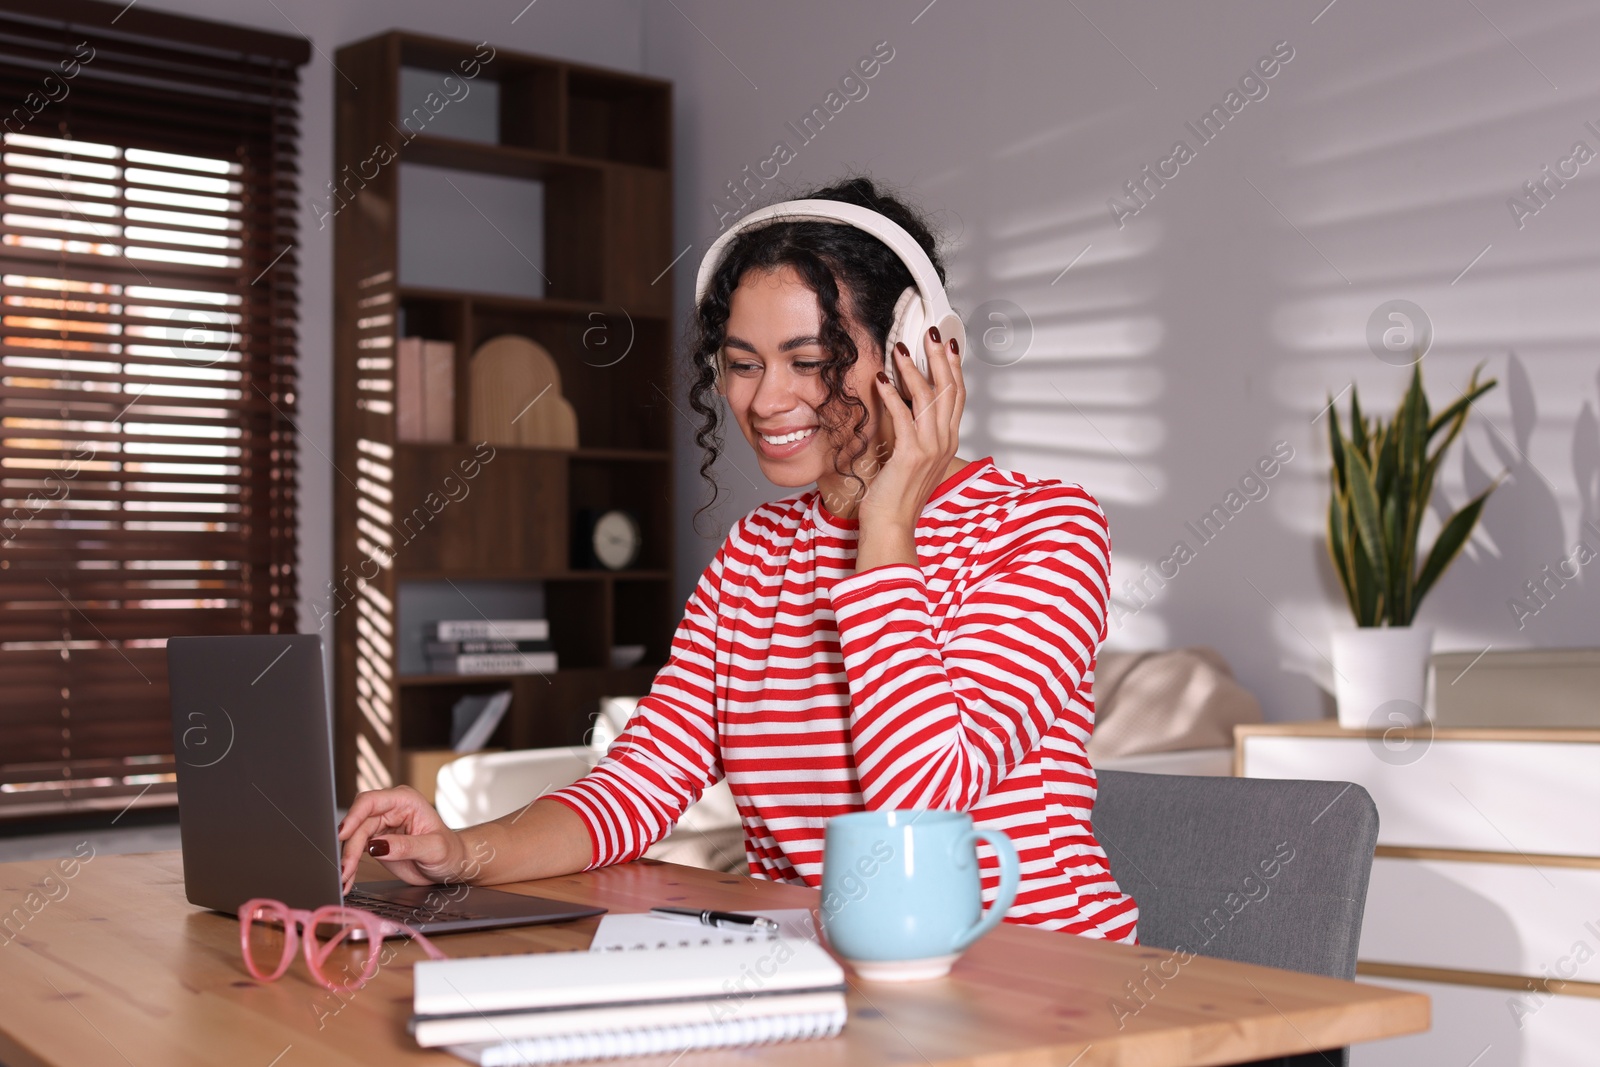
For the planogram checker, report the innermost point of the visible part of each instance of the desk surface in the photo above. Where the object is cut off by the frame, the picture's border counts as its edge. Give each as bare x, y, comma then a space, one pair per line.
121, 969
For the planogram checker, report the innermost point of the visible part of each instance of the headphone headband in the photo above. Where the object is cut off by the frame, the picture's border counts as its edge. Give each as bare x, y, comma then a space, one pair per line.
880, 226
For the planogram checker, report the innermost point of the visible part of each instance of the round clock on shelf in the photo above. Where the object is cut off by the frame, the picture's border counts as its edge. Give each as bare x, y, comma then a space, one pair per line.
609, 538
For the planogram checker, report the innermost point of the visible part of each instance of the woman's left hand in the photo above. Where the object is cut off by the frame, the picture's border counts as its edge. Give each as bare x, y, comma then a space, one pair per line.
924, 437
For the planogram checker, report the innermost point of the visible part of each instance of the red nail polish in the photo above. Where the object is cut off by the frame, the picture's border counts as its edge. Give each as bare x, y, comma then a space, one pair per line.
955, 346
933, 332
378, 848
900, 347
882, 377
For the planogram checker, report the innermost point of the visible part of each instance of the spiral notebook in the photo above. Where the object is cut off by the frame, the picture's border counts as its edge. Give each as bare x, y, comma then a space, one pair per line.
560, 1007
649, 1041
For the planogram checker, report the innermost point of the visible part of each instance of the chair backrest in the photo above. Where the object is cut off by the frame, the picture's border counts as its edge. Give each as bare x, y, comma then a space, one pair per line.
1257, 870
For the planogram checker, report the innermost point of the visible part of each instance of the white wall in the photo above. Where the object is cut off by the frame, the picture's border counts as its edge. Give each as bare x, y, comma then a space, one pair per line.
1214, 323
604, 32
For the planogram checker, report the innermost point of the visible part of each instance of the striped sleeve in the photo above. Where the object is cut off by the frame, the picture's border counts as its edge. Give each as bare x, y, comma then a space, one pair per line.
937, 721
667, 756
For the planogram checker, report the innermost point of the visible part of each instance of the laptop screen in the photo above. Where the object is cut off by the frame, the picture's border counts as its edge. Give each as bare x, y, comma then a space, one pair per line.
253, 739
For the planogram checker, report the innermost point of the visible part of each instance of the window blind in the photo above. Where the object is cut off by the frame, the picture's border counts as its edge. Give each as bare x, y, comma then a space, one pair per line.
148, 314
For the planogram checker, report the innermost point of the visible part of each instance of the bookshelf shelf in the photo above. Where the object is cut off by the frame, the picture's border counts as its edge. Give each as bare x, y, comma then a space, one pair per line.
506, 160
458, 680
531, 305
457, 512
639, 455
546, 711
501, 575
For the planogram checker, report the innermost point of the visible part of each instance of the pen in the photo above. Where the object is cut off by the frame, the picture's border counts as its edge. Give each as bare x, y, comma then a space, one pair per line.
708, 917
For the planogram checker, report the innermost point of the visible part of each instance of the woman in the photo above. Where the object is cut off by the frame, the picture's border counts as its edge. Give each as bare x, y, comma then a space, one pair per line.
918, 631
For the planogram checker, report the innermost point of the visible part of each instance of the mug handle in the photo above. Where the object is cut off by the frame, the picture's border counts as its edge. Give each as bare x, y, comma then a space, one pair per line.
1010, 879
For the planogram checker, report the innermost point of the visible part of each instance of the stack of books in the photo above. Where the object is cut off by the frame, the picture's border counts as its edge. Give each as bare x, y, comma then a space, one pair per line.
557, 1007
490, 646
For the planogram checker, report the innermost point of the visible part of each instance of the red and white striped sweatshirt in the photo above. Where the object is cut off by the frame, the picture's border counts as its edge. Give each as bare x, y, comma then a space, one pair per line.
965, 682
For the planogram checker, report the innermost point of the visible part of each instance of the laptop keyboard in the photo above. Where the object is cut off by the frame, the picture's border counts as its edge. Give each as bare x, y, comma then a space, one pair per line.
410, 914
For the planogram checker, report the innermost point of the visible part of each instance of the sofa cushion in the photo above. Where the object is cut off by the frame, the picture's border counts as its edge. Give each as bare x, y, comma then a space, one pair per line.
1166, 701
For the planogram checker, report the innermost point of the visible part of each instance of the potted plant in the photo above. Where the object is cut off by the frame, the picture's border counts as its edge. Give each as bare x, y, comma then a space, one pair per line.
1382, 477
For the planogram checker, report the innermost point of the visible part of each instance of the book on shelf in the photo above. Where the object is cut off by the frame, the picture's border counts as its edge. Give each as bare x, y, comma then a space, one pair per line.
494, 663
425, 390
491, 630
475, 648
408, 416
547, 1007
438, 391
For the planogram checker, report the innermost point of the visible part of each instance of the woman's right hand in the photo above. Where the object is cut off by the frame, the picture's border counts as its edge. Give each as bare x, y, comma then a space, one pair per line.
401, 830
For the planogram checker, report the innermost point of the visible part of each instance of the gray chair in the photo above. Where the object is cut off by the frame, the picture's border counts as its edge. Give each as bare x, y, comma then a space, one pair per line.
1249, 869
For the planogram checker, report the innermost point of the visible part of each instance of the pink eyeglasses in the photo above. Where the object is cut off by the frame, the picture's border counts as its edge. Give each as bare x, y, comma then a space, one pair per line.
260, 921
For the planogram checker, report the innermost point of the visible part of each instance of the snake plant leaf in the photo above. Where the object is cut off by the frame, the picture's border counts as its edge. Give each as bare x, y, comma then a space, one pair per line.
1393, 546
1411, 427
1412, 421
1452, 538
1369, 591
1339, 546
1457, 412
1454, 417
1387, 451
1358, 425
1336, 444
1415, 506
1423, 494
1368, 517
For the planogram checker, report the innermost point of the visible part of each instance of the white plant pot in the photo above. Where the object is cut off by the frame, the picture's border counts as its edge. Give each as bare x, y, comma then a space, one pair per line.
1381, 667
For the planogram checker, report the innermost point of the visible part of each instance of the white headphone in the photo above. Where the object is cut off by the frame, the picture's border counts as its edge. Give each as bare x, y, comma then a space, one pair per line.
920, 306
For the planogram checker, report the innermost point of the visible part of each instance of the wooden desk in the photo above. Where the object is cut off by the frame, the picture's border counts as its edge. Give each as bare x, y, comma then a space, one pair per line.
122, 970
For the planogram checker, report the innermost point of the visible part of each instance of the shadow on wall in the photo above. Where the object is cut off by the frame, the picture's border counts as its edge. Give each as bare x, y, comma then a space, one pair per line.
1065, 379
1538, 574
1399, 176
1345, 188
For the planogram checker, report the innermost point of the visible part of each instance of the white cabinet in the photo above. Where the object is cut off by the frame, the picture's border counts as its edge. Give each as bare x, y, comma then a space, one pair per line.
1483, 796
1481, 1027
1485, 887
1503, 918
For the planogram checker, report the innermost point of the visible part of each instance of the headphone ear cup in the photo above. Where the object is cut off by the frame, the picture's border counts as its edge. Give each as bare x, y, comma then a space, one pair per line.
952, 329
910, 319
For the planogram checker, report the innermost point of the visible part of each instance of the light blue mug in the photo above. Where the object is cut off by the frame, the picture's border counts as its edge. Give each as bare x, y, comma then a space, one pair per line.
901, 896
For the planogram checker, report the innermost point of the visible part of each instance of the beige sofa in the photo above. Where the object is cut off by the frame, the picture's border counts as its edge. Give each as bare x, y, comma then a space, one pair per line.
1168, 712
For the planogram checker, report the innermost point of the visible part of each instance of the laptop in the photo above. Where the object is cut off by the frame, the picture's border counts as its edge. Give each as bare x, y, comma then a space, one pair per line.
257, 815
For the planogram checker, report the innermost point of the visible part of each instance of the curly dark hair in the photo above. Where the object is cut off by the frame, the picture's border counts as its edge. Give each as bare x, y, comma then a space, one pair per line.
825, 254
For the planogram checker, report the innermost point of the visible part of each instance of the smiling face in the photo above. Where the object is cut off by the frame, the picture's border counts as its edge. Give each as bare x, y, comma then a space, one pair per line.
772, 362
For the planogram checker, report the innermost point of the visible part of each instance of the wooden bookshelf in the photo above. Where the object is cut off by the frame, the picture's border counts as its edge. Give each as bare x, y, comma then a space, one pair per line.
600, 142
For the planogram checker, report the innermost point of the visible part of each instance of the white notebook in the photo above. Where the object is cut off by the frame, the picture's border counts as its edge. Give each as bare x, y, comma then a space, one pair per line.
556, 1006
632, 931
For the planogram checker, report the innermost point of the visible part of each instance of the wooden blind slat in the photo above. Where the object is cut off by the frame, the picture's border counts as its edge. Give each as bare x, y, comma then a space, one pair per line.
157, 30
